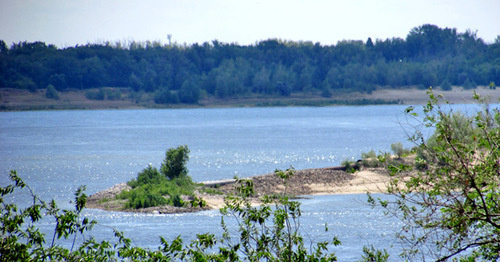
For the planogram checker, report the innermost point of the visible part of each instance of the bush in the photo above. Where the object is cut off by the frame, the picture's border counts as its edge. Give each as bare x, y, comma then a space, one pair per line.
51, 93
26, 83
164, 96
327, 92
445, 85
370, 159
469, 84
165, 187
177, 201
113, 94
398, 150
350, 166
143, 197
157, 190
149, 175
96, 95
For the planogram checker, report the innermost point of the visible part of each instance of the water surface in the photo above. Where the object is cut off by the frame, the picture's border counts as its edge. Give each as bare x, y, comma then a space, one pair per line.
57, 151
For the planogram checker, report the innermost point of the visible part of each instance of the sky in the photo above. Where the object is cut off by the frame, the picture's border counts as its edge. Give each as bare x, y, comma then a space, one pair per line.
66, 23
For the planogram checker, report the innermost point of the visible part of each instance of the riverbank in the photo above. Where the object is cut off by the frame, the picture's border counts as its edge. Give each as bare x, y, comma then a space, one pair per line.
320, 181
19, 100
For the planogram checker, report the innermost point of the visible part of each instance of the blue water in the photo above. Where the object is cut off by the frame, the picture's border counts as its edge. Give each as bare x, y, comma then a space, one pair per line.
56, 151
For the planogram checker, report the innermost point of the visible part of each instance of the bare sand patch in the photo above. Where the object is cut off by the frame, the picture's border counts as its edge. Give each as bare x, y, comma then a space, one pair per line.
362, 182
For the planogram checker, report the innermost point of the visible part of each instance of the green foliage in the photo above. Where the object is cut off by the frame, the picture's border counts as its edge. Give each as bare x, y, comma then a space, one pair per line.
270, 68
144, 196
96, 95
154, 189
26, 83
370, 159
373, 255
104, 94
212, 191
149, 175
51, 93
189, 92
165, 187
198, 202
399, 150
463, 132
469, 84
327, 92
113, 94
22, 240
451, 208
350, 166
165, 96
268, 232
174, 164
445, 85
177, 201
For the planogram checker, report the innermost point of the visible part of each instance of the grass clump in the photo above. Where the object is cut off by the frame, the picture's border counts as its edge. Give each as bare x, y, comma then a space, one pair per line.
350, 166
370, 159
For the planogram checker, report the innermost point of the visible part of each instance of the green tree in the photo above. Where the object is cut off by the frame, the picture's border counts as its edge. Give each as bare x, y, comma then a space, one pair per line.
453, 207
174, 164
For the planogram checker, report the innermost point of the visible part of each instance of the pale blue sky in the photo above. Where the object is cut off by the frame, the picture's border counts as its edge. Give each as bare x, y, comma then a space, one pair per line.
70, 22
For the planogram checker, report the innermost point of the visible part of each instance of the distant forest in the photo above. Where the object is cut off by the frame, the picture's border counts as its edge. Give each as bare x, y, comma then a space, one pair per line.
174, 73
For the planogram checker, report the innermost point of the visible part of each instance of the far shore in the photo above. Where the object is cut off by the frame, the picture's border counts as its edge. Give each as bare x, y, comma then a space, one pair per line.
19, 100
307, 182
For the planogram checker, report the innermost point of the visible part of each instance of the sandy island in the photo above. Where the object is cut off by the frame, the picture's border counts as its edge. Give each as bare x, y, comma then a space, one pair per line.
321, 181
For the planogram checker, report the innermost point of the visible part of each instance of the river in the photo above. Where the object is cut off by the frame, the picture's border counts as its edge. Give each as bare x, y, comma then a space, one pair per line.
57, 151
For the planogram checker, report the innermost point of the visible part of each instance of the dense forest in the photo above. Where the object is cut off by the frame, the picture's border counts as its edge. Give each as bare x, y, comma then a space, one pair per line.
174, 73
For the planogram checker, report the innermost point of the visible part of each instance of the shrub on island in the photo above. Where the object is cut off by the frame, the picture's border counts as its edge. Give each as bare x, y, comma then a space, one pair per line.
154, 187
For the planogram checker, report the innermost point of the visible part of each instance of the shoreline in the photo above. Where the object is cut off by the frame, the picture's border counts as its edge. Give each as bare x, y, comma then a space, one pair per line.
22, 100
306, 182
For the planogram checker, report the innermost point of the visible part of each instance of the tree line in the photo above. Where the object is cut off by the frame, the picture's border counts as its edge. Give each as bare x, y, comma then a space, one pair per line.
428, 56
